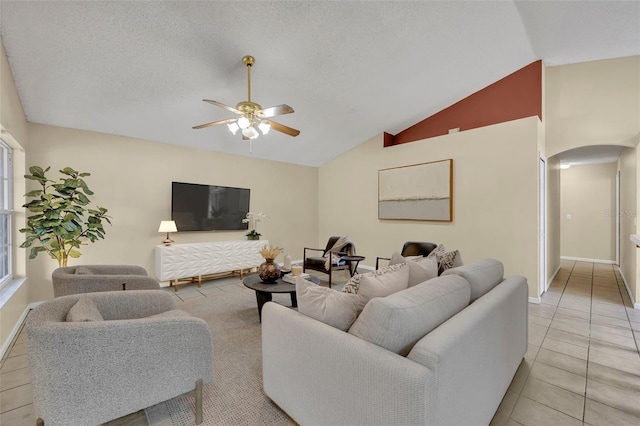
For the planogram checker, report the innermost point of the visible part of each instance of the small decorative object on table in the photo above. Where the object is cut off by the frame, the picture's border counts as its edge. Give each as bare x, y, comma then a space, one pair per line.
252, 219
269, 271
286, 268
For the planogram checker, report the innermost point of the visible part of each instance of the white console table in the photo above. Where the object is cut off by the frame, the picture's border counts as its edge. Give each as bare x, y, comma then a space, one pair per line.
182, 264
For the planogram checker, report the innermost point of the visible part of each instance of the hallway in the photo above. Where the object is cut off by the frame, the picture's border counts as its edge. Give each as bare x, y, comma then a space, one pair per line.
583, 364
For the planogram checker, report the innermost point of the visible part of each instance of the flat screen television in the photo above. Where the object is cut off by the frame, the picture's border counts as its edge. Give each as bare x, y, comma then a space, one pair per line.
197, 207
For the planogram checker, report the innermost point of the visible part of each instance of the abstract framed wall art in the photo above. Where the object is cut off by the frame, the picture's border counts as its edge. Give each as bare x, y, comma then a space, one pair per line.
417, 192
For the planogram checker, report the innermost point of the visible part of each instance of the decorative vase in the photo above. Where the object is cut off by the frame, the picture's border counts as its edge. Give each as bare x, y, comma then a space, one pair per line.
253, 237
269, 271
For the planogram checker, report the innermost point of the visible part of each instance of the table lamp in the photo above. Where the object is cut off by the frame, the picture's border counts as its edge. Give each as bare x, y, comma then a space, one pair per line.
167, 226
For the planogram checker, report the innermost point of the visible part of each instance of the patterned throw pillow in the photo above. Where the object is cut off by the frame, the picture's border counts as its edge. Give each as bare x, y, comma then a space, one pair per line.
445, 259
438, 251
353, 284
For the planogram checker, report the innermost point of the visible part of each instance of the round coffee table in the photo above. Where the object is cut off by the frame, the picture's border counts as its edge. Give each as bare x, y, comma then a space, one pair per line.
264, 291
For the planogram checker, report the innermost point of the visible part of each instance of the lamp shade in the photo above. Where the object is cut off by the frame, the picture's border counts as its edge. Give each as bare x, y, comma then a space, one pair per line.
167, 226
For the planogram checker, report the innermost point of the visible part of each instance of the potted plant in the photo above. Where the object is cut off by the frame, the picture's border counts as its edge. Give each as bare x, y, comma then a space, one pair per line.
252, 219
62, 220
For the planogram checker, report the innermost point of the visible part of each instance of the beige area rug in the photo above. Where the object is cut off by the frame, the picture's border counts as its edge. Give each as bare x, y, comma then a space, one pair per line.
235, 396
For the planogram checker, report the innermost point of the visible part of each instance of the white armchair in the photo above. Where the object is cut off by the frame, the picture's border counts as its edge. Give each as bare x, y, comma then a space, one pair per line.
143, 352
91, 278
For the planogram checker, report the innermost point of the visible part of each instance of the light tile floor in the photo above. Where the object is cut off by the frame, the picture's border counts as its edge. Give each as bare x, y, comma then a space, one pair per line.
583, 364
582, 367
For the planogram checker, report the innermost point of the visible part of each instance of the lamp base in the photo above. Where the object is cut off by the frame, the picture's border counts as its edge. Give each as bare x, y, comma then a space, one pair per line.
167, 241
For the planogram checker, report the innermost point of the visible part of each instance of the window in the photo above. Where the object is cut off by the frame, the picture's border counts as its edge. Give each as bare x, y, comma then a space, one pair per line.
6, 202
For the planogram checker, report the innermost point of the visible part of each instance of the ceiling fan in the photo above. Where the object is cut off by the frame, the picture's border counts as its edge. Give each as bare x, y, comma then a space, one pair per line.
252, 115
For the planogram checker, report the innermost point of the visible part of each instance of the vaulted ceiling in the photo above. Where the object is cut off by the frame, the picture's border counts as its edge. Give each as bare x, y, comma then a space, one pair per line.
351, 70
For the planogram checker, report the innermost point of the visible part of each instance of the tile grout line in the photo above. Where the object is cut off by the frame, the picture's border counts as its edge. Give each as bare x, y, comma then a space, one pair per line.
626, 313
586, 373
537, 353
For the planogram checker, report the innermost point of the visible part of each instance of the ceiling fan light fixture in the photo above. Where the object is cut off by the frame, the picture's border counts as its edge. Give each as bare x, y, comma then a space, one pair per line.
233, 127
250, 132
251, 117
264, 127
243, 122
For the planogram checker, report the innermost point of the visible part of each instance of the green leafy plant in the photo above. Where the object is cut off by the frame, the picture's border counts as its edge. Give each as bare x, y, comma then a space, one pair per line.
62, 221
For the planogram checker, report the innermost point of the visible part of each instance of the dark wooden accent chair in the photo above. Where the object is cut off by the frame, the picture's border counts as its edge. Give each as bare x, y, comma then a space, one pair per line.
412, 248
316, 263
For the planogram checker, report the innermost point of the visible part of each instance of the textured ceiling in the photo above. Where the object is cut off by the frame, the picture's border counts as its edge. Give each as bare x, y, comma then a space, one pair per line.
351, 70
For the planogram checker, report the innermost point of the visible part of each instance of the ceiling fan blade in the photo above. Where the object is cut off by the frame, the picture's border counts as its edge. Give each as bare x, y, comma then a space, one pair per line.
227, 107
215, 123
274, 110
284, 129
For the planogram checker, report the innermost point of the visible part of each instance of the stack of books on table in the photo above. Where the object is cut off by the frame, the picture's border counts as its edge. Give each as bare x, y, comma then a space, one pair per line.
291, 279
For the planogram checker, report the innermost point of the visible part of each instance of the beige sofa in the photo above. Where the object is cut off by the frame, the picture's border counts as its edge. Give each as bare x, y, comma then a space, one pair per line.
455, 374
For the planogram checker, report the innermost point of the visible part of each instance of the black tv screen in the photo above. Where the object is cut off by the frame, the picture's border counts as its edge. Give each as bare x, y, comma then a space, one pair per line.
197, 207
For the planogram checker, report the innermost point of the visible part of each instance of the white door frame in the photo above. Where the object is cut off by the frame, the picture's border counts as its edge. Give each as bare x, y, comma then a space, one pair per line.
618, 218
542, 224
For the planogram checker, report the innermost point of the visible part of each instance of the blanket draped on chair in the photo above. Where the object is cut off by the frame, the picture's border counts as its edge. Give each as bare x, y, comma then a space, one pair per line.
338, 246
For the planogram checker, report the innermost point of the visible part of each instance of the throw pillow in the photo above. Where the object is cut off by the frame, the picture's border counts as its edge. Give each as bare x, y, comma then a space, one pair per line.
445, 259
382, 285
85, 309
398, 321
327, 305
83, 270
353, 284
421, 268
439, 250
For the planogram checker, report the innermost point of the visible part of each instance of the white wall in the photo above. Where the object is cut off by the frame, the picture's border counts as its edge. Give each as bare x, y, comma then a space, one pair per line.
132, 178
494, 196
588, 196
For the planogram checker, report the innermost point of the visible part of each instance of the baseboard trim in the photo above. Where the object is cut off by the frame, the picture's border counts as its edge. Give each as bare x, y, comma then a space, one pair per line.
14, 332
535, 300
636, 305
583, 259
16, 328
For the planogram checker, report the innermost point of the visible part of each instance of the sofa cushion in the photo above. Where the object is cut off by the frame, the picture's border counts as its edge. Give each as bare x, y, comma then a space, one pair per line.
382, 285
421, 268
85, 309
353, 285
482, 275
83, 270
398, 321
324, 304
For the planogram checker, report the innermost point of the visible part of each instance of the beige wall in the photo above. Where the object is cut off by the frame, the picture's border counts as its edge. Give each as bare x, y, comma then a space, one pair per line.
588, 195
553, 217
627, 164
494, 196
592, 103
12, 121
132, 178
